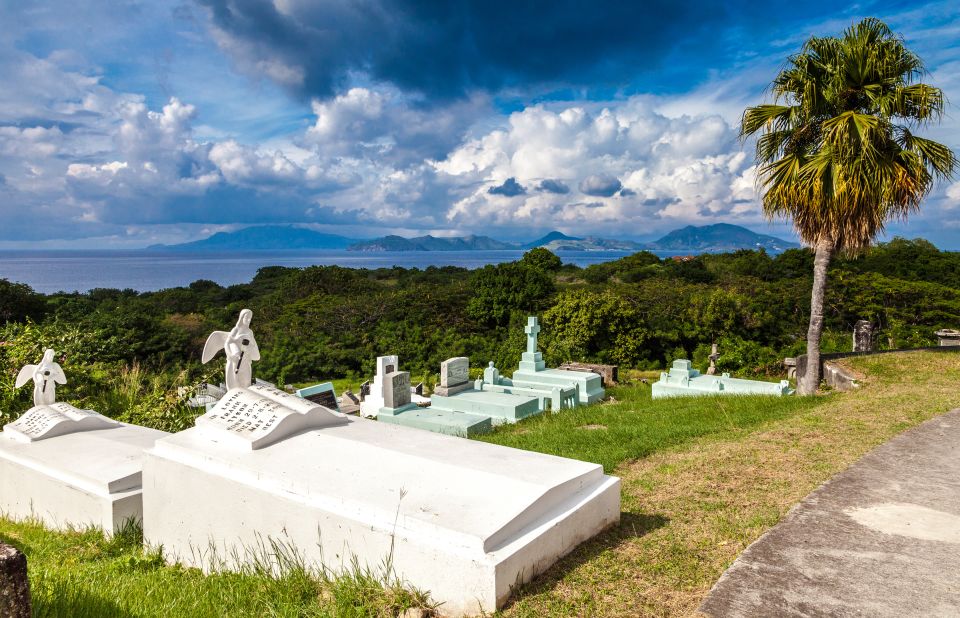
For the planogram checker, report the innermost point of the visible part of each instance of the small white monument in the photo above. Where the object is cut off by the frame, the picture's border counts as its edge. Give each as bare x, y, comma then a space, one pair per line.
45, 378
465, 520
373, 401
68, 466
240, 348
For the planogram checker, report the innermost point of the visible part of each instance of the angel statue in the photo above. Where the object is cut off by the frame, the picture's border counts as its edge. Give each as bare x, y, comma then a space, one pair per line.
45, 378
241, 350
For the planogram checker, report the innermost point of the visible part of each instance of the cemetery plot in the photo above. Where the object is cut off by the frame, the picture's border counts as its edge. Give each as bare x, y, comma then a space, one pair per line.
90, 477
68, 466
362, 488
684, 381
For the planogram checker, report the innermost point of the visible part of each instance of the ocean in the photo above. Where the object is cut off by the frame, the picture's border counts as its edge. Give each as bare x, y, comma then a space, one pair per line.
69, 271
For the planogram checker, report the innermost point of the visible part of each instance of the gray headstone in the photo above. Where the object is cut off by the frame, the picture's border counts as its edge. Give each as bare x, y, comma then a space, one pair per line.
396, 389
364, 390
863, 336
14, 585
455, 371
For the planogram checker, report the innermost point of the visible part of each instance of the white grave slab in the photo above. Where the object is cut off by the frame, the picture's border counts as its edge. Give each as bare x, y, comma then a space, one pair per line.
467, 520
87, 478
67, 466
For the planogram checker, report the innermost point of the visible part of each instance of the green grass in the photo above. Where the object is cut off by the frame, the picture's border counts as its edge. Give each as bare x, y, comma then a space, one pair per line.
635, 425
82, 574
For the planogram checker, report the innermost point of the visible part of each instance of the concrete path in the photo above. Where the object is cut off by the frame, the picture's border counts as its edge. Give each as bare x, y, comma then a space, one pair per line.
881, 538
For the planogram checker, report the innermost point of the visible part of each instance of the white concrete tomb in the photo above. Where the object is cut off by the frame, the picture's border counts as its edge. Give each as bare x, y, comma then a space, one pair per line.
468, 519
67, 466
465, 520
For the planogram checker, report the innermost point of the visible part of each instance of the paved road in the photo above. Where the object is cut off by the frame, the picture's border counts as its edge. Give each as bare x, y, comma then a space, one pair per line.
881, 538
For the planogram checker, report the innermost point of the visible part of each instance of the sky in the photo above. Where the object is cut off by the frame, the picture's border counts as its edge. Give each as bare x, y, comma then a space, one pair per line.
126, 123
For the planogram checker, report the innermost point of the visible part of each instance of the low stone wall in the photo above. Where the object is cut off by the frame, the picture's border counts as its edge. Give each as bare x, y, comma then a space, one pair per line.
14, 585
839, 378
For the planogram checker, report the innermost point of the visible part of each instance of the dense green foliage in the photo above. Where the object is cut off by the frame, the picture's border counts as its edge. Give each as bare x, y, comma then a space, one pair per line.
329, 322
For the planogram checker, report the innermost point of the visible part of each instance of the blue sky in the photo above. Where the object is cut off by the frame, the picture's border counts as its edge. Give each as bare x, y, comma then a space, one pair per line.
124, 124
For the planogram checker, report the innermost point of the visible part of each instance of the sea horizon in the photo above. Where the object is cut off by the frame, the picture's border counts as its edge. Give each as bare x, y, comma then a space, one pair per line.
82, 270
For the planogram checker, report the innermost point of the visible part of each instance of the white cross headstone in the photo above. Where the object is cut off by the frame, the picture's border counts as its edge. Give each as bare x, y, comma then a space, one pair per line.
532, 329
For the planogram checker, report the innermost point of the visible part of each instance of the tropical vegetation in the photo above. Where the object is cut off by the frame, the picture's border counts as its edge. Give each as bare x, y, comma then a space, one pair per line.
838, 151
135, 355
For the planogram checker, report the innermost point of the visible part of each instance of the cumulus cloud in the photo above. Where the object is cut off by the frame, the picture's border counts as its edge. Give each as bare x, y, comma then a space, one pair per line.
636, 165
600, 185
551, 185
389, 126
509, 188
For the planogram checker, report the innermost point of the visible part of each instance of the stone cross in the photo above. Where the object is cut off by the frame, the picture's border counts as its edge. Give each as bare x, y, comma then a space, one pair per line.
532, 329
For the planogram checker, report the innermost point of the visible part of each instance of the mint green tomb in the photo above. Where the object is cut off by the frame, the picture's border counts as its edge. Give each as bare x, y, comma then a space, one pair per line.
684, 381
533, 372
499, 407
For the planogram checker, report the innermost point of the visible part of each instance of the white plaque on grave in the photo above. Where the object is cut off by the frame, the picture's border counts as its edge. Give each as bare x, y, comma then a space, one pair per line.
55, 419
260, 415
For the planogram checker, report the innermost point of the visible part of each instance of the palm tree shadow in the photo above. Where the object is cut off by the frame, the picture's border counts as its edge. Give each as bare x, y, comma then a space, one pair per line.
631, 526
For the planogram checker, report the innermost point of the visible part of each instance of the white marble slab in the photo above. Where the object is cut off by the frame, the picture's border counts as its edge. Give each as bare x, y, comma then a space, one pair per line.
468, 520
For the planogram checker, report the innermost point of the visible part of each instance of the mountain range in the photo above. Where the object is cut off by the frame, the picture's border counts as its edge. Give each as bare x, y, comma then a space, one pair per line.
695, 239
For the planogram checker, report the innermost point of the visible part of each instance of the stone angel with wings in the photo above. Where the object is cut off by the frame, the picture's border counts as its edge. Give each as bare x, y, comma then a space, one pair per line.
45, 378
240, 348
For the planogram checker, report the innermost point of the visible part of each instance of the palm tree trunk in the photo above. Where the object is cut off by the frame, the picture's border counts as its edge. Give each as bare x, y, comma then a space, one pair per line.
821, 261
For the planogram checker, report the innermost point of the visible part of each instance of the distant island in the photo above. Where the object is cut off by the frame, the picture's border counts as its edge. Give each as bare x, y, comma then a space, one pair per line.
718, 238
263, 238
714, 238
432, 243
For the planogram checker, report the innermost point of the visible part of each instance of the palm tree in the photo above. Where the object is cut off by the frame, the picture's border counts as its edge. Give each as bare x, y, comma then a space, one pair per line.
837, 154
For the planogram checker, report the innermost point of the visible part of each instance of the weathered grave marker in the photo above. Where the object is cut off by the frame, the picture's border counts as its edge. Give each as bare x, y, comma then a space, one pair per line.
863, 336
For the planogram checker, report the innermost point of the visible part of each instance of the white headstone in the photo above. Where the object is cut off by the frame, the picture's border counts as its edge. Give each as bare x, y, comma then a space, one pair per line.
454, 376
373, 401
